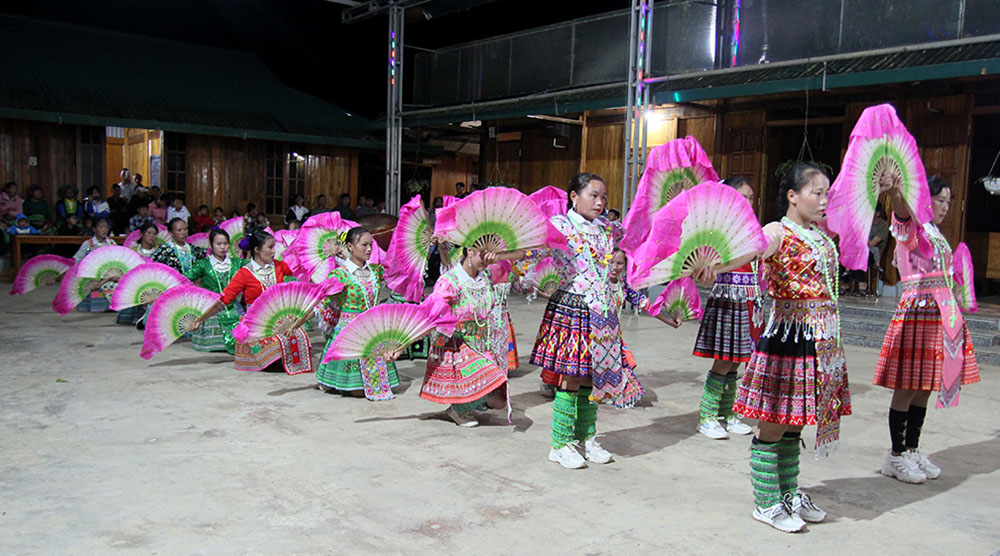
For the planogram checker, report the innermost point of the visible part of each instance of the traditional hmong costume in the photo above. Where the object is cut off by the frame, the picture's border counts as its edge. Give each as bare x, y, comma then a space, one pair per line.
730, 327
294, 351
464, 368
504, 328
375, 376
216, 332
928, 346
131, 315
580, 334
99, 300
178, 257
797, 374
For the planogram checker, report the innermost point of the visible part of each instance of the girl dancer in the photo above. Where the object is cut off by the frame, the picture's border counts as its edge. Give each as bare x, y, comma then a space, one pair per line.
260, 273
99, 299
730, 327
176, 252
146, 246
928, 347
370, 378
465, 369
797, 374
579, 343
214, 273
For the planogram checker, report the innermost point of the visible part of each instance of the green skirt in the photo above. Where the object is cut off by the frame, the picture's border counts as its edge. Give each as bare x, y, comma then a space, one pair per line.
350, 374
216, 333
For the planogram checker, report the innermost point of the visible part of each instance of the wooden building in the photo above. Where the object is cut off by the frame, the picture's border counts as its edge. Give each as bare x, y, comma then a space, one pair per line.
215, 125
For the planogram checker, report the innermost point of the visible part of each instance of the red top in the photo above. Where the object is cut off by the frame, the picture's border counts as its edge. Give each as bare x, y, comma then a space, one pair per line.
202, 223
246, 283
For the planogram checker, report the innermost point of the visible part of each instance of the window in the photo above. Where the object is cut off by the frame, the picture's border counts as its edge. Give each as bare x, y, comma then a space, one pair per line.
286, 178
91, 157
176, 163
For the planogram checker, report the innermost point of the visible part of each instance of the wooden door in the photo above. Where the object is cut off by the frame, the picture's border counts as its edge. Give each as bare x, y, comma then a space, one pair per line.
943, 129
742, 154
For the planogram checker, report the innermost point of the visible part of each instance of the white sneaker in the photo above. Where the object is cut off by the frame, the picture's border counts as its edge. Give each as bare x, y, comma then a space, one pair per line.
466, 420
568, 457
803, 507
712, 429
736, 426
547, 390
779, 517
903, 468
924, 463
595, 452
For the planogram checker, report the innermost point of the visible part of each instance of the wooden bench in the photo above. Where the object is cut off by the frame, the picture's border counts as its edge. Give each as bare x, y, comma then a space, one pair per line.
15, 257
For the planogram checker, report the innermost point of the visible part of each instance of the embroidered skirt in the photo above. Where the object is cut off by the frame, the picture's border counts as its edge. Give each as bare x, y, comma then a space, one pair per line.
562, 345
457, 372
917, 347
727, 331
293, 351
375, 376
513, 360
216, 333
96, 302
797, 374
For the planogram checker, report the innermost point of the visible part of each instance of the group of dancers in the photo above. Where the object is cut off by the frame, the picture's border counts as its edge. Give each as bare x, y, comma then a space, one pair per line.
796, 372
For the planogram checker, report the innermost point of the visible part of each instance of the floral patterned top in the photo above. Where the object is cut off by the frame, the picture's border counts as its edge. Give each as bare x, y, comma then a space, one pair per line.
93, 243
621, 292
584, 266
361, 288
471, 299
180, 258
793, 271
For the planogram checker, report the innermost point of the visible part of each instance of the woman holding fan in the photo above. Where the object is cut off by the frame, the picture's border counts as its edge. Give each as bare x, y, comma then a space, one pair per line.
465, 370
731, 324
928, 347
98, 301
260, 273
797, 374
214, 273
574, 347
371, 378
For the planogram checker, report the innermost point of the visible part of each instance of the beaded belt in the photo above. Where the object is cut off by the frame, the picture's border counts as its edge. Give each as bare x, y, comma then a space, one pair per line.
924, 283
810, 318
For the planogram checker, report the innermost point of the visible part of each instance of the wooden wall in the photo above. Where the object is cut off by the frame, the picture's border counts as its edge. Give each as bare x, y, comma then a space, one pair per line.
605, 155
449, 171
54, 146
531, 159
230, 172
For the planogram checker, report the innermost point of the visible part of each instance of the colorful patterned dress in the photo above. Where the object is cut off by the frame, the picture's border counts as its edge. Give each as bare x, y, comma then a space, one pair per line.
629, 391
99, 300
928, 346
464, 368
504, 328
733, 319
294, 350
580, 334
375, 376
797, 374
216, 332
179, 257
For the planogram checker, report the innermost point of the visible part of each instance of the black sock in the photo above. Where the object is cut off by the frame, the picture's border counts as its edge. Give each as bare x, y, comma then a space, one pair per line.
897, 429
914, 422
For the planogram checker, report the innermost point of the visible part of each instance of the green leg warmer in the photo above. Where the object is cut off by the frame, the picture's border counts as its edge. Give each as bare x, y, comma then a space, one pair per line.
764, 473
729, 395
788, 462
586, 415
711, 397
563, 418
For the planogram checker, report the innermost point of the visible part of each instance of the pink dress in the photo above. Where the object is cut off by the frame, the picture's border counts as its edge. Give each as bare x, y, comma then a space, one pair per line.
928, 346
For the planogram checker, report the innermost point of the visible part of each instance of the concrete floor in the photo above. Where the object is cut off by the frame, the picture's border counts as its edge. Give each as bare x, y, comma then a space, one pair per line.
106, 453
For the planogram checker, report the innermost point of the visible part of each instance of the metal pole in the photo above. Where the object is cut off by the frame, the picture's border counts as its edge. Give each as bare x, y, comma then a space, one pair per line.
394, 120
629, 106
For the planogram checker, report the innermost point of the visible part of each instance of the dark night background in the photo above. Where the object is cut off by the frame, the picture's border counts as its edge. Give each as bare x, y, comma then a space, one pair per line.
304, 42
